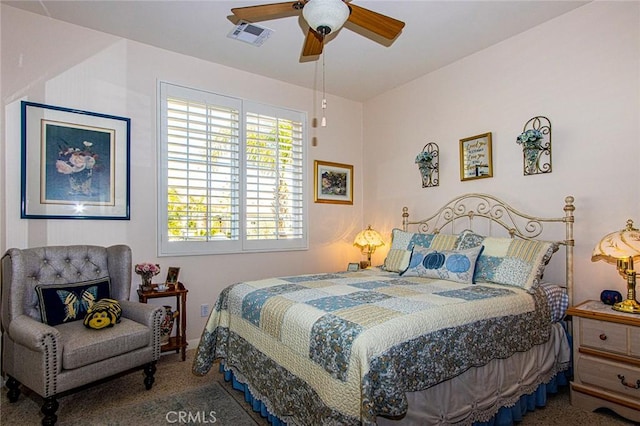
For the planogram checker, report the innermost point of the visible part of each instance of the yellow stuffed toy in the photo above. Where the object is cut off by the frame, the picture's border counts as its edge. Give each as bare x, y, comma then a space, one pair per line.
103, 313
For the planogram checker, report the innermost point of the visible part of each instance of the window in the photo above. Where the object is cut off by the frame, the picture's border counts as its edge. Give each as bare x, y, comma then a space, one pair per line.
232, 175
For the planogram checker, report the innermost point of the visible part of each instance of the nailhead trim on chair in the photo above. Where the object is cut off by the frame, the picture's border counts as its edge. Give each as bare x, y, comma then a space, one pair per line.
157, 320
48, 342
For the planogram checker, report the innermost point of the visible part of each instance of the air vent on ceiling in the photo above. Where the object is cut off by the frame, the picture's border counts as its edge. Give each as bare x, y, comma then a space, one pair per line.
250, 33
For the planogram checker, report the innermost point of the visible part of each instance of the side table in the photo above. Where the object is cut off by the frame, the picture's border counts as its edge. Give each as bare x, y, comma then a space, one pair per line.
179, 341
606, 359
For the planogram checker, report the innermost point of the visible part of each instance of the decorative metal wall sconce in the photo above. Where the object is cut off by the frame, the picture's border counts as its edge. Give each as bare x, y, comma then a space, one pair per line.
428, 164
536, 146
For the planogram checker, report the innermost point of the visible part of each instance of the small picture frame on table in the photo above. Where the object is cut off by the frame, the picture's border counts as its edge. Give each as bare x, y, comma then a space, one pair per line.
353, 267
172, 276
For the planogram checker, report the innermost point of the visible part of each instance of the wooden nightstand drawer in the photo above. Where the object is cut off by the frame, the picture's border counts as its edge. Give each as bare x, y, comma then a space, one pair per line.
603, 336
606, 359
635, 342
609, 375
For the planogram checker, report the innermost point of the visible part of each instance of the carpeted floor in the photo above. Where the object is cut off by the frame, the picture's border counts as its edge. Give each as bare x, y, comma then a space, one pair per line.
175, 395
208, 400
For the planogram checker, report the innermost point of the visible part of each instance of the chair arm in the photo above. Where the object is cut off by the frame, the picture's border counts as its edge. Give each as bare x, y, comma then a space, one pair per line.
141, 312
32, 334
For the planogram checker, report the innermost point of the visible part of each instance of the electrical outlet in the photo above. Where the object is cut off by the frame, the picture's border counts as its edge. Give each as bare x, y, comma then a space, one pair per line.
204, 310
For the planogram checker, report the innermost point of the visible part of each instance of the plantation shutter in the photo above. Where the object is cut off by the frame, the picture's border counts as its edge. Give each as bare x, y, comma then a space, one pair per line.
274, 175
232, 175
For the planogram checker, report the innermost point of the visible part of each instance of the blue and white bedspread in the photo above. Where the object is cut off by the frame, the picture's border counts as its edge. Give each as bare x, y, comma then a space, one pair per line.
344, 348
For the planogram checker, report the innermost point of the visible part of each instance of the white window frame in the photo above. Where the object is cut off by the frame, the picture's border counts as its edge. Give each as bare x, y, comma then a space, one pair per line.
166, 247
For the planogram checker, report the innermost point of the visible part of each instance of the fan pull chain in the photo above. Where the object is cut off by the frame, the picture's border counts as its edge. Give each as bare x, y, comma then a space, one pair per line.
323, 122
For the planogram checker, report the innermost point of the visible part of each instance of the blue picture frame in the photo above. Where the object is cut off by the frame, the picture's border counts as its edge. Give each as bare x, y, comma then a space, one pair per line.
75, 164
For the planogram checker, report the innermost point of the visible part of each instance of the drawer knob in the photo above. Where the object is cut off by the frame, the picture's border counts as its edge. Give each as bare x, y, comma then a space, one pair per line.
603, 336
629, 385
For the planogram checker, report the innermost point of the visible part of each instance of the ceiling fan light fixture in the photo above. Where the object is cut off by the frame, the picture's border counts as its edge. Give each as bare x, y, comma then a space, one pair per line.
325, 16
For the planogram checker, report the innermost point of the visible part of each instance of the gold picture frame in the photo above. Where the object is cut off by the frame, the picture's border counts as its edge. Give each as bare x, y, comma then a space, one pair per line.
332, 182
475, 157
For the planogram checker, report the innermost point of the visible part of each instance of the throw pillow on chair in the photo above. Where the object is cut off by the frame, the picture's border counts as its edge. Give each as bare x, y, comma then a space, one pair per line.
103, 313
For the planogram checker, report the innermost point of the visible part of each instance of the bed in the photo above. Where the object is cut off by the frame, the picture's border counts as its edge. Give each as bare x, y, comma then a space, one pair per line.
459, 325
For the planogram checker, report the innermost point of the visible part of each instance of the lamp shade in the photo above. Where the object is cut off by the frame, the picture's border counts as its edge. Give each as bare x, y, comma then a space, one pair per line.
368, 238
619, 245
325, 16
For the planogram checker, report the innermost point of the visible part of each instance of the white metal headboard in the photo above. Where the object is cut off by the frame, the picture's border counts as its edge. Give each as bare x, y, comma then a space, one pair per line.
496, 212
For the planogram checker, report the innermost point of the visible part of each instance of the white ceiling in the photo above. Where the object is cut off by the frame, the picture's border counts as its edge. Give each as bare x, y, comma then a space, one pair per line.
437, 33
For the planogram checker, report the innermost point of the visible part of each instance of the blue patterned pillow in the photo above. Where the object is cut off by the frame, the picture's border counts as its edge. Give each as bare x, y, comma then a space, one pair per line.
510, 261
450, 265
62, 303
407, 240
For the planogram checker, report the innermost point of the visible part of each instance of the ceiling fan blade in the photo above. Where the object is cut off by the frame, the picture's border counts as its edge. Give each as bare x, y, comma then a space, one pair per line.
382, 25
267, 11
312, 44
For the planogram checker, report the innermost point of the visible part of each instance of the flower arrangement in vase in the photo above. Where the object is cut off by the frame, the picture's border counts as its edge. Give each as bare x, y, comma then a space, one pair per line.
424, 157
531, 141
535, 140
428, 165
147, 271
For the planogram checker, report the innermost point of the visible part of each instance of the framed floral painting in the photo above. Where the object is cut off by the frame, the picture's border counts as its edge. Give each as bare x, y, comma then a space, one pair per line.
333, 182
75, 164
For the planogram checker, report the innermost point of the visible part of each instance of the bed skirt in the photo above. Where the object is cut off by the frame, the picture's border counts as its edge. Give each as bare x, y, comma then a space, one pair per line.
502, 391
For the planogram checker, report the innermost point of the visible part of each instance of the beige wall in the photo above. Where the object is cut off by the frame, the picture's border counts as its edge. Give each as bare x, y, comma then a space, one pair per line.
582, 71
51, 62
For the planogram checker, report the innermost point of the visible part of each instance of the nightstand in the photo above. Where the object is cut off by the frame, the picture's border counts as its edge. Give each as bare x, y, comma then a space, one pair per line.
606, 359
179, 341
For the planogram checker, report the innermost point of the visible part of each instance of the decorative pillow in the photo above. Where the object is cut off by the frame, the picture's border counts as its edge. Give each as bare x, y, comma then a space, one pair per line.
61, 303
103, 313
406, 240
397, 260
451, 265
402, 240
510, 261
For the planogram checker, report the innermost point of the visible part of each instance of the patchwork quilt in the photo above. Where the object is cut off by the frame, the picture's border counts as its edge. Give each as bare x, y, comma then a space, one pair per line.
344, 348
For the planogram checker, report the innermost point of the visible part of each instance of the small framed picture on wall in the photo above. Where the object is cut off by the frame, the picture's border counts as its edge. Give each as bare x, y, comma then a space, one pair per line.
333, 182
475, 157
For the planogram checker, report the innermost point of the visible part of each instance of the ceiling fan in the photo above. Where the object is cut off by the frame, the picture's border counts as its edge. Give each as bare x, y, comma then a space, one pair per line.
323, 17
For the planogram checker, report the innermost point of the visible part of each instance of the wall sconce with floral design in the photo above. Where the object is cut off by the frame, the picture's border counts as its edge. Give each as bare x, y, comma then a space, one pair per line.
536, 146
428, 164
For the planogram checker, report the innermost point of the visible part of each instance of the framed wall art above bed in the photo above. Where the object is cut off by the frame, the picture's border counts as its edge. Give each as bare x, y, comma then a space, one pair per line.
475, 157
457, 331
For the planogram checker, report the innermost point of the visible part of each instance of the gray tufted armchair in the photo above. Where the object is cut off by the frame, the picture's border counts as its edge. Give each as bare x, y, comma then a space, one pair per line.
53, 359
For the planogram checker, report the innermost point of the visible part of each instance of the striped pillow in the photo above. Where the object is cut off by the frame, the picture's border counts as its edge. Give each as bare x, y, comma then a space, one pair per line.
397, 260
510, 261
